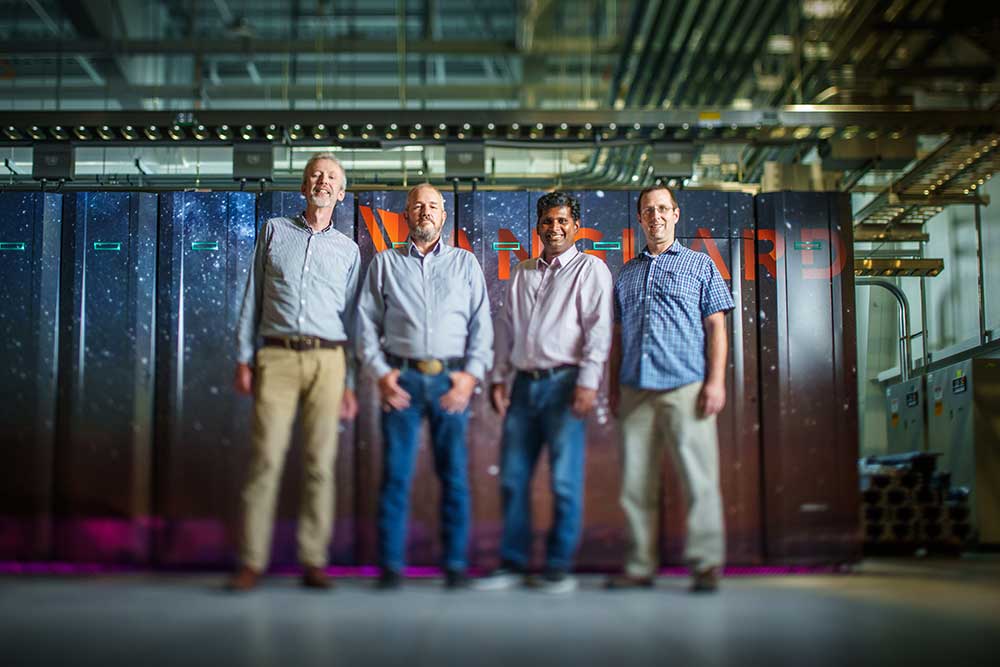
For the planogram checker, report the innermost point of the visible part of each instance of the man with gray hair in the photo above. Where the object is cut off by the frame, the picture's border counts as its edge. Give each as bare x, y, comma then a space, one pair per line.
425, 334
294, 356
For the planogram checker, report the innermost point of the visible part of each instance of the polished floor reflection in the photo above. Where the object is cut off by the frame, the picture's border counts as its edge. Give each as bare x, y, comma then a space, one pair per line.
913, 612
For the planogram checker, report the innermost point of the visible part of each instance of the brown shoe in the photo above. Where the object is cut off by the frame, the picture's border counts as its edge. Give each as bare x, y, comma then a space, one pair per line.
315, 577
705, 581
244, 580
627, 581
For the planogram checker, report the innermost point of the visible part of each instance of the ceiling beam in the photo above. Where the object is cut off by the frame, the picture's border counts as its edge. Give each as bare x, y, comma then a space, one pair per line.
89, 46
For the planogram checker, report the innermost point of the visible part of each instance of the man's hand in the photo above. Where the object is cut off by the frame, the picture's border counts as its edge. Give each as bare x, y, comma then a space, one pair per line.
499, 398
711, 398
393, 396
243, 379
348, 405
457, 398
583, 401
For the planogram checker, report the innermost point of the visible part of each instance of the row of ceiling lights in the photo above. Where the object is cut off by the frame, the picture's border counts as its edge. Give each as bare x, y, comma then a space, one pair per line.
322, 131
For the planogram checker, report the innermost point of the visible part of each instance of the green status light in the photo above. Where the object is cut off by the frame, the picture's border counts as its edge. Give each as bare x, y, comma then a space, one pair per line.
113, 246
205, 245
506, 245
607, 245
12, 245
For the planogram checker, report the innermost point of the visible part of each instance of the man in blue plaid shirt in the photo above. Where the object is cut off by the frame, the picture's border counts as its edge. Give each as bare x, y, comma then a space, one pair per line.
668, 362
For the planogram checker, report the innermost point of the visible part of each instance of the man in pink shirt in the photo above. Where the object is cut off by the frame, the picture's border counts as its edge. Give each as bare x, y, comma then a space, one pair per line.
553, 337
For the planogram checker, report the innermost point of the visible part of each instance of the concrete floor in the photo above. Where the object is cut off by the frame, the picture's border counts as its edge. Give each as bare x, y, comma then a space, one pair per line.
913, 612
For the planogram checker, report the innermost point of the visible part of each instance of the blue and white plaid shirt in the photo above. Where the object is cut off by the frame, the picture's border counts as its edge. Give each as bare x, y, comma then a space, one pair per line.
661, 302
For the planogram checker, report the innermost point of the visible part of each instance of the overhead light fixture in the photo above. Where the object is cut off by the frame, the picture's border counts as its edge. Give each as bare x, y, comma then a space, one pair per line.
465, 131
562, 131
586, 131
296, 132
130, 133
105, 132
390, 132
200, 132
319, 132
490, 130
416, 130
610, 131
59, 132
224, 132
36, 133
514, 131
440, 131
153, 133
12, 133
366, 133
82, 133
248, 132
537, 131
271, 132
176, 132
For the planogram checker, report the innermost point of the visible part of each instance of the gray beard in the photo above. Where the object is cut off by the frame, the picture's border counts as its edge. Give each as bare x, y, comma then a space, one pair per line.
424, 234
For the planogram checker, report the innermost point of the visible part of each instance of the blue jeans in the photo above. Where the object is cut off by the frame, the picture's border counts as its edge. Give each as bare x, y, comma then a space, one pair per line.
540, 414
401, 434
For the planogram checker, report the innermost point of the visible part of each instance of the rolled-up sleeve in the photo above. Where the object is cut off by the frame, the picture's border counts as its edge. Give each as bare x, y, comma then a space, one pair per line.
249, 321
479, 345
596, 307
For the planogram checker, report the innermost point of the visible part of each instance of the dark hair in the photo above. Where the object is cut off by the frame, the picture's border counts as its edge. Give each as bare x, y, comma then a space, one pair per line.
557, 199
654, 188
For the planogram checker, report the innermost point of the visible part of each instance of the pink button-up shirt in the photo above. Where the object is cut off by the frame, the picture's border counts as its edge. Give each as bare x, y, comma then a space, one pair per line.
555, 314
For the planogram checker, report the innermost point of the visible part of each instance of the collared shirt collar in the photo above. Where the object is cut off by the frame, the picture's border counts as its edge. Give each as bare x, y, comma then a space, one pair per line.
300, 219
412, 249
562, 259
674, 248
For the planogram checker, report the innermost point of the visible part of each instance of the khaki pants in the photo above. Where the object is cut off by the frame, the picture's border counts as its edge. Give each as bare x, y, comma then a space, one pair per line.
654, 422
284, 380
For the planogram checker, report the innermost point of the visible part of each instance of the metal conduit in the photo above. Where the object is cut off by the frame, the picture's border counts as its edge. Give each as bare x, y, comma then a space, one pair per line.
905, 351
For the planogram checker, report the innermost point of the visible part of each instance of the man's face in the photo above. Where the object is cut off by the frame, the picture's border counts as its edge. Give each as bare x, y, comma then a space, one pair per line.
425, 214
658, 215
557, 229
324, 184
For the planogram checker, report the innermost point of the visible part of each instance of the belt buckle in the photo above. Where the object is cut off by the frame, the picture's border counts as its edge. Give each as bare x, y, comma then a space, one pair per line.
430, 366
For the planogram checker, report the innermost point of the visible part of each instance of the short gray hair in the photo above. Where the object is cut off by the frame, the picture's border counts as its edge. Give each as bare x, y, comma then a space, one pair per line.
325, 155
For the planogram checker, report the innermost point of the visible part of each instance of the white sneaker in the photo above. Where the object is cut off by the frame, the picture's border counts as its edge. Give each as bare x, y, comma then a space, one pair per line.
556, 583
501, 579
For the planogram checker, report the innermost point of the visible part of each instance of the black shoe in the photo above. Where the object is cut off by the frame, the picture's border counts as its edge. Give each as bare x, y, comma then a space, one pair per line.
455, 579
388, 580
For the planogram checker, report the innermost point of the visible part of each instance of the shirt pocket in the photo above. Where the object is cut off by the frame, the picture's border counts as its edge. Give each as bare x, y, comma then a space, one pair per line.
681, 287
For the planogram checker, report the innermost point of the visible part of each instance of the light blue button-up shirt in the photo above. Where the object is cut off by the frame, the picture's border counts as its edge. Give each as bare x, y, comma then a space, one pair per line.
301, 283
432, 306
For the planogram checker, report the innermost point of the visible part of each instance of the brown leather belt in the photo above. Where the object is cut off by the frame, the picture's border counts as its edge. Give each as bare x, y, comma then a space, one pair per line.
426, 366
300, 343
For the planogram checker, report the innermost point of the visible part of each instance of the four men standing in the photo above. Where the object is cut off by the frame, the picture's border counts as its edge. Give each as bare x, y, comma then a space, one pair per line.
424, 332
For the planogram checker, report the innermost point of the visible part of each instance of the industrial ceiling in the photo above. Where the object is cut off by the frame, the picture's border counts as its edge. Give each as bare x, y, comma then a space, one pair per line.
588, 93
